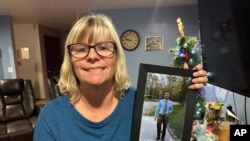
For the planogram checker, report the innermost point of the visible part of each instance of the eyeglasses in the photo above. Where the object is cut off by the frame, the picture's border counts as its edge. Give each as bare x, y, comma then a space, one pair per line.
80, 50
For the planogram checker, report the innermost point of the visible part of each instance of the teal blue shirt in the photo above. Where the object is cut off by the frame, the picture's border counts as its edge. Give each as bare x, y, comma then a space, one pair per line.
60, 121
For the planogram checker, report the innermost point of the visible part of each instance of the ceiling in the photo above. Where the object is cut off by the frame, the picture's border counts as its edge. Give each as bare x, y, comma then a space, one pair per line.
61, 14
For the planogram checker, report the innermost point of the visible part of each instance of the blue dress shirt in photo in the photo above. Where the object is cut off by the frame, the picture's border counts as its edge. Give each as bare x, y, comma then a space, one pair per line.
162, 108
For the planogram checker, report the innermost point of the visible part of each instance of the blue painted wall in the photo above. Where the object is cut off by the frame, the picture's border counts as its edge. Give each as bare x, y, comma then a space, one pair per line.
6, 47
153, 22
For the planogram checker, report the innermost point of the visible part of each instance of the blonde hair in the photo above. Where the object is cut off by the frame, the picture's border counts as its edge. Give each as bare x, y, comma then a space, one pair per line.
92, 26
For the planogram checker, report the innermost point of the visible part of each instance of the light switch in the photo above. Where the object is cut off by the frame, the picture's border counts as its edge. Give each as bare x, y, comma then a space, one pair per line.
10, 69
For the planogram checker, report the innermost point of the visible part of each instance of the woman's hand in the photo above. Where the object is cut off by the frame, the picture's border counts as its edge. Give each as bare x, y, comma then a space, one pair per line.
199, 77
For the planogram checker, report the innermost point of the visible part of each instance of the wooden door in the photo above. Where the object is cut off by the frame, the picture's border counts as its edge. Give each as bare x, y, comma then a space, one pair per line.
53, 55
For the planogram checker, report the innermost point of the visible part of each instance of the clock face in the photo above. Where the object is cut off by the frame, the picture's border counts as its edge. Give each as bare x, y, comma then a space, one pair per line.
130, 39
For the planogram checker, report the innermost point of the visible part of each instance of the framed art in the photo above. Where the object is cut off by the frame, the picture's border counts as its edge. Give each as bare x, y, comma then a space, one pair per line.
153, 80
153, 43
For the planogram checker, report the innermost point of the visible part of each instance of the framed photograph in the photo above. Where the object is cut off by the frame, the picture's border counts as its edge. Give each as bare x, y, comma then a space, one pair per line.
153, 43
153, 81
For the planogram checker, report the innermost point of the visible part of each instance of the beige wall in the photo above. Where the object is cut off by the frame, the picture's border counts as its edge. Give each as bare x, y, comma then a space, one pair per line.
31, 35
26, 35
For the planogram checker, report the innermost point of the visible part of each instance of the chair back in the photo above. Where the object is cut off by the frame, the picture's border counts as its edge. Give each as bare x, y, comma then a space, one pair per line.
17, 100
18, 113
53, 88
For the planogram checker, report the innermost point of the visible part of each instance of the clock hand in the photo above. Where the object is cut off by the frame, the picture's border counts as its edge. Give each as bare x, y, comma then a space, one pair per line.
126, 39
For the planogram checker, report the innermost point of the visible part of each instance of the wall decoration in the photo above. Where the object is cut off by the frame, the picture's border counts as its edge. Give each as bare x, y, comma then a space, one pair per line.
25, 53
189, 51
130, 39
172, 51
188, 48
153, 43
152, 81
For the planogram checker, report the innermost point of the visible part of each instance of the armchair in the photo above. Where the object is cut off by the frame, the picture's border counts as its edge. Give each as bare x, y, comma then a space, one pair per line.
53, 88
18, 113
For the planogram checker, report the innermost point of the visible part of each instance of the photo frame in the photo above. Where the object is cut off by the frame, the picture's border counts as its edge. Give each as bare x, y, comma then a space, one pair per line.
140, 131
153, 43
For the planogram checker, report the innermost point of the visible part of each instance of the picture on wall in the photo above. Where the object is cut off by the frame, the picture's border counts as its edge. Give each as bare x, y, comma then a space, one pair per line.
153, 43
153, 83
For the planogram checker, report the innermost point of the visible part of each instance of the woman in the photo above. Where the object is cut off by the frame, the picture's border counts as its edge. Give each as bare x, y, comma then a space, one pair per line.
98, 101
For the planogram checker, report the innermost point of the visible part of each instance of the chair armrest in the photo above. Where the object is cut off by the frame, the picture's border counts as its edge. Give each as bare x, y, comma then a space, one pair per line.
38, 108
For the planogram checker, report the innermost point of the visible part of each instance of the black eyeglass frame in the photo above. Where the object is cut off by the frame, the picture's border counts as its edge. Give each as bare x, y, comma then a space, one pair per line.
93, 46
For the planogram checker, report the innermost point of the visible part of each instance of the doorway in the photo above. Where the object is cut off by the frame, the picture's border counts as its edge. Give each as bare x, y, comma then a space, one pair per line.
53, 55
1, 66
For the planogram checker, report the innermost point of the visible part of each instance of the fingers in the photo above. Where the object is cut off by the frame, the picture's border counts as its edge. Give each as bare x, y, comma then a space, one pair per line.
199, 78
200, 73
185, 66
197, 86
198, 67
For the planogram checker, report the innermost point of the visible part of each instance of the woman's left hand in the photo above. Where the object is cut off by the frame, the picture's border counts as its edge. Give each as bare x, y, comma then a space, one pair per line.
199, 77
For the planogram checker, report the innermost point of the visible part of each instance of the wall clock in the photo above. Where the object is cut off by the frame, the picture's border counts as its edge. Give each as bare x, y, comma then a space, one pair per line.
130, 39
